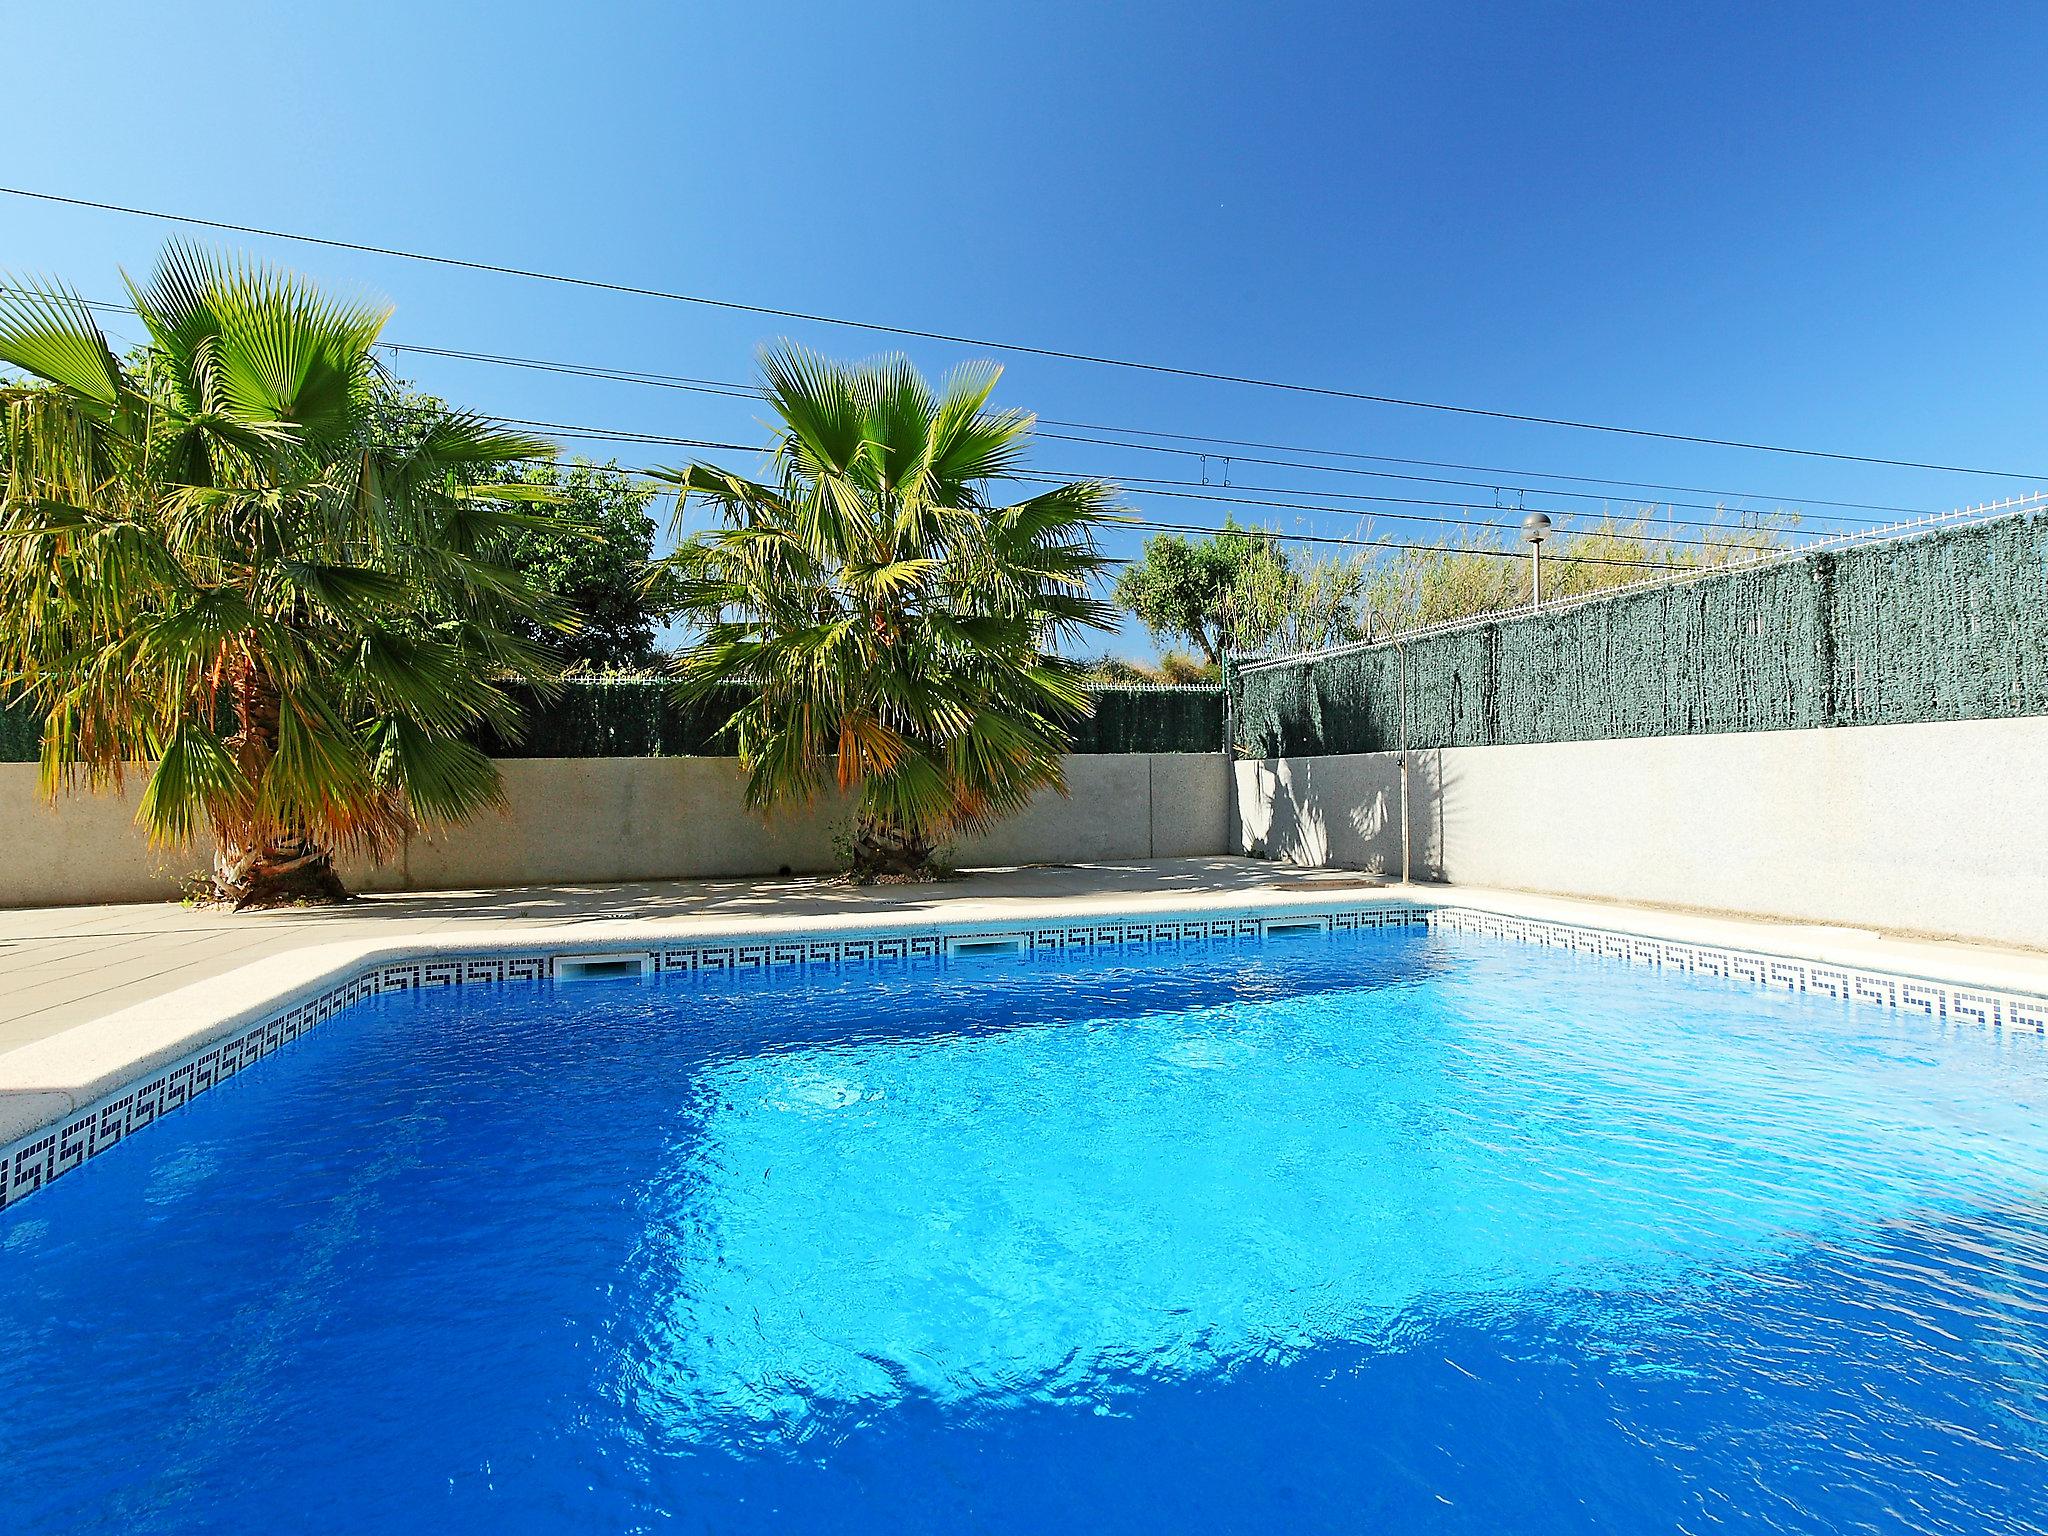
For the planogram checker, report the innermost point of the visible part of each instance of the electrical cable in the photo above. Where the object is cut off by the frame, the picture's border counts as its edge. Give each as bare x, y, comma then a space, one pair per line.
732, 390
914, 332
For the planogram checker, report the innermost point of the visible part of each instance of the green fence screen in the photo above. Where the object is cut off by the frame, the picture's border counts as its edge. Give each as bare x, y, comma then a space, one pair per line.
621, 717
1138, 719
1944, 626
21, 734
639, 717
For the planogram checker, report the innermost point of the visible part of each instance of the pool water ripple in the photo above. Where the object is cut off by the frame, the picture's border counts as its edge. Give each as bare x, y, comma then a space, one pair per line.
1388, 1231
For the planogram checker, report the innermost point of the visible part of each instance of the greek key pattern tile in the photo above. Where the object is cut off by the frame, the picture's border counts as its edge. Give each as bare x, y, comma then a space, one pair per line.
1949, 1004
45, 1155
29, 1164
37, 1159
1118, 933
54, 1151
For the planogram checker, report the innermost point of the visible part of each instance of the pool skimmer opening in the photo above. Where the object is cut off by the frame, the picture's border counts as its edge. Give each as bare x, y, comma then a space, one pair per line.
580, 968
975, 947
1296, 927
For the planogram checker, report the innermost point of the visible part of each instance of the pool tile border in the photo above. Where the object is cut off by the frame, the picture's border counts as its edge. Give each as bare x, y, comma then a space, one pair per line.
41, 1157
45, 1155
1948, 1002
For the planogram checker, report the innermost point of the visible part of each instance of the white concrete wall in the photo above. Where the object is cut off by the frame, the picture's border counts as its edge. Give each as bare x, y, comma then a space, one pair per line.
1164, 805
595, 820
1937, 829
85, 849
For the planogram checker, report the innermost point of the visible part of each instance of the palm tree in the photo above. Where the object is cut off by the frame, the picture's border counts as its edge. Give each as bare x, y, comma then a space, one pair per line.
218, 562
890, 624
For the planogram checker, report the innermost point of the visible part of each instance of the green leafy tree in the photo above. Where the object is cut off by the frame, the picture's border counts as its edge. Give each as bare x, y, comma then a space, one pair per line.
1293, 602
1195, 589
1240, 591
212, 565
593, 550
589, 542
894, 626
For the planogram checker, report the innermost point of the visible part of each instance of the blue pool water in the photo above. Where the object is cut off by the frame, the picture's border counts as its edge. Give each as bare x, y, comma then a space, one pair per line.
1383, 1232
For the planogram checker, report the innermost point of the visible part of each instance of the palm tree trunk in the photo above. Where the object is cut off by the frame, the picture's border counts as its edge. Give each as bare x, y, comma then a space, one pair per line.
281, 871
276, 869
884, 853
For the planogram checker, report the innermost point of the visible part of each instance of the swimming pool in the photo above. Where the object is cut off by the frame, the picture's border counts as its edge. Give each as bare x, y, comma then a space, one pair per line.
1401, 1229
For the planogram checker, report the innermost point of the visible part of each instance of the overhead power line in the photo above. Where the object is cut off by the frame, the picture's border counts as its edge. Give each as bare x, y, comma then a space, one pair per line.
652, 478
1516, 483
1498, 488
1511, 473
1437, 549
1155, 525
662, 439
636, 290
736, 390
1212, 494
1154, 488
1151, 485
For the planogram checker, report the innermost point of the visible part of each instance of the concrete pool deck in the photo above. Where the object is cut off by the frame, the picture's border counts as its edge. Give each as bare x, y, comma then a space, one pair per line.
92, 997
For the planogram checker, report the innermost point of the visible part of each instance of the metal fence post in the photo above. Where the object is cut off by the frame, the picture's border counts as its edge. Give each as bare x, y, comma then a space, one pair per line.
1401, 654
1234, 822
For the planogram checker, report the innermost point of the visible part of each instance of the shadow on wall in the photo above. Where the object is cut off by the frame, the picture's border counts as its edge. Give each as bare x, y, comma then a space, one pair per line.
1344, 812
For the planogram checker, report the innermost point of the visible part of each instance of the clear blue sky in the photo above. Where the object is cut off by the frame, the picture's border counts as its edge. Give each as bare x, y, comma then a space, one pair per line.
1820, 225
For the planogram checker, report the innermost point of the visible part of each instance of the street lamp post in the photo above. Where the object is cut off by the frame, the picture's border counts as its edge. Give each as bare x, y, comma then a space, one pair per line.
1535, 529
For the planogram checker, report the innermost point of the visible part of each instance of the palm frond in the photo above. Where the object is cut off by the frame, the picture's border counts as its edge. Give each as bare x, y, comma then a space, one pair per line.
891, 622
47, 330
821, 405
194, 772
223, 558
442, 780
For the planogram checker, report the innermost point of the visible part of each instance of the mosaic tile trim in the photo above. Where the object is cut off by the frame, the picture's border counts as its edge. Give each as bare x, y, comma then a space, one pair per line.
48, 1154
37, 1159
1114, 933
1946, 1002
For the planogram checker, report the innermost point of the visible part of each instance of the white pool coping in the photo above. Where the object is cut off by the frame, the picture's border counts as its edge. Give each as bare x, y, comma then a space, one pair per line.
53, 1079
